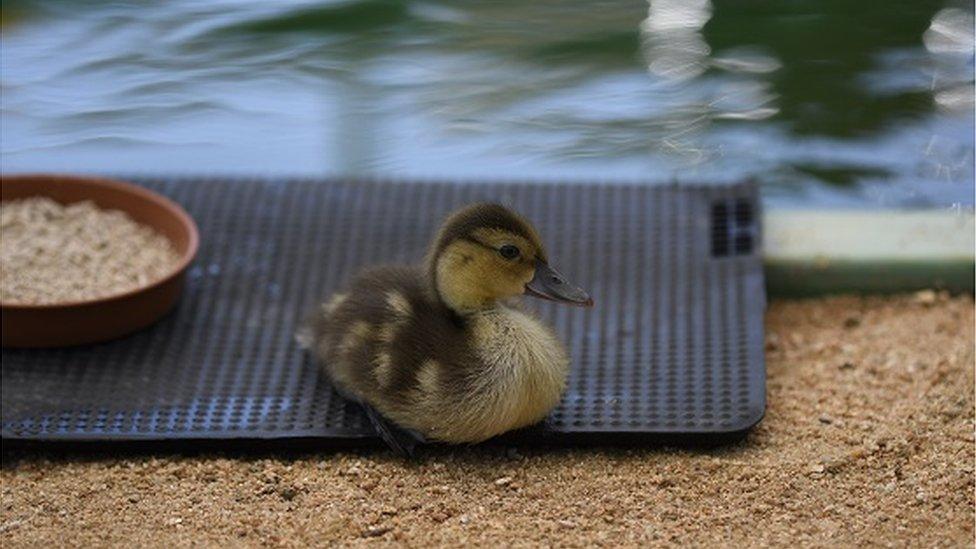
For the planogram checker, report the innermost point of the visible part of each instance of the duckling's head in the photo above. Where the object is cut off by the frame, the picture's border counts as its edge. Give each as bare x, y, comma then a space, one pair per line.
485, 253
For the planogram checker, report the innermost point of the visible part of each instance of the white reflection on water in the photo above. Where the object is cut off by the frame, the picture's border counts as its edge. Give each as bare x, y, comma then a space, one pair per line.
672, 38
676, 52
951, 31
949, 39
747, 61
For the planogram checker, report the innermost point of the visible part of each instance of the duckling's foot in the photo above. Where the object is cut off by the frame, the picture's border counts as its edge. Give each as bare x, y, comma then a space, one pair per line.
402, 441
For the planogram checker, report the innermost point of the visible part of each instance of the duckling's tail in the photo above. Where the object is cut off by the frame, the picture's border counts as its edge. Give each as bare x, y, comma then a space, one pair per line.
305, 336
312, 328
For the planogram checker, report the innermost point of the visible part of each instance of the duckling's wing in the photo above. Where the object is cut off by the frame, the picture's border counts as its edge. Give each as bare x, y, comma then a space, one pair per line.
402, 441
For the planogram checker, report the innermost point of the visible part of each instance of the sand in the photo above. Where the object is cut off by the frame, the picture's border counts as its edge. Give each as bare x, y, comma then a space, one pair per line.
867, 440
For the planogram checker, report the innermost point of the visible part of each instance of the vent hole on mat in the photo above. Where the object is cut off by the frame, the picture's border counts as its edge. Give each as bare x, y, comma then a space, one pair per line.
732, 229
743, 213
743, 244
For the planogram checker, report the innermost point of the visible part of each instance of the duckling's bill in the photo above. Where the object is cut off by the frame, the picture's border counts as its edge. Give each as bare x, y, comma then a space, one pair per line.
549, 284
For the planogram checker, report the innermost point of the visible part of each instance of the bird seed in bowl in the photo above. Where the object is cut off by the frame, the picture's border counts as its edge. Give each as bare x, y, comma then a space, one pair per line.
55, 253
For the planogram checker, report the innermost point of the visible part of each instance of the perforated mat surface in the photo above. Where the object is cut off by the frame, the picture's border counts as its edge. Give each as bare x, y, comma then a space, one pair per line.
674, 345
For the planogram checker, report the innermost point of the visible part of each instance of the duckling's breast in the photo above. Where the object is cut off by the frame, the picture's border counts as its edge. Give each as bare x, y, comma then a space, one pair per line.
525, 366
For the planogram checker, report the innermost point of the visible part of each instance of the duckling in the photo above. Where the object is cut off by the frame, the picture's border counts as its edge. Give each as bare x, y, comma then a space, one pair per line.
442, 352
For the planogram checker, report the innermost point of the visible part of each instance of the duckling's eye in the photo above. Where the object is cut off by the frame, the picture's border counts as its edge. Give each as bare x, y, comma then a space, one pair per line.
508, 251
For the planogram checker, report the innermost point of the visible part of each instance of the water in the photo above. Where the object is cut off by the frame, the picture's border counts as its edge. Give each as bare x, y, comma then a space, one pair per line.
826, 102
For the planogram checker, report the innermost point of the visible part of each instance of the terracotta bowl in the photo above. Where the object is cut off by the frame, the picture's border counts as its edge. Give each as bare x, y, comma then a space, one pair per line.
104, 318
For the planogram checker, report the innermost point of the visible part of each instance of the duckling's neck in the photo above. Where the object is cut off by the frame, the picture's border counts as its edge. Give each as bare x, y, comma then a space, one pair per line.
462, 299
462, 296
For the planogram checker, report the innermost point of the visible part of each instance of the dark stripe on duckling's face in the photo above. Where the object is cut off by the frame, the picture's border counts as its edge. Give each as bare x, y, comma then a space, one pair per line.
486, 253
510, 252
465, 222
547, 282
470, 275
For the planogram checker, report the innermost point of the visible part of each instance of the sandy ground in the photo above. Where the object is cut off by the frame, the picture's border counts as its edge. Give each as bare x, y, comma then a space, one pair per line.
868, 439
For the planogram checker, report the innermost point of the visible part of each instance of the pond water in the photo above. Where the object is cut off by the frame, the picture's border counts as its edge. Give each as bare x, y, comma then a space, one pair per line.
825, 102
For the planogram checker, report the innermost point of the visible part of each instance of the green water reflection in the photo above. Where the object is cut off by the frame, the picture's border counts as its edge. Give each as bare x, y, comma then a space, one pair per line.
823, 101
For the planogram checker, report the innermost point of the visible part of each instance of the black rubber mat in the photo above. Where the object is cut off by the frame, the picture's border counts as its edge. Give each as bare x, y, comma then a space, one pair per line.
673, 348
